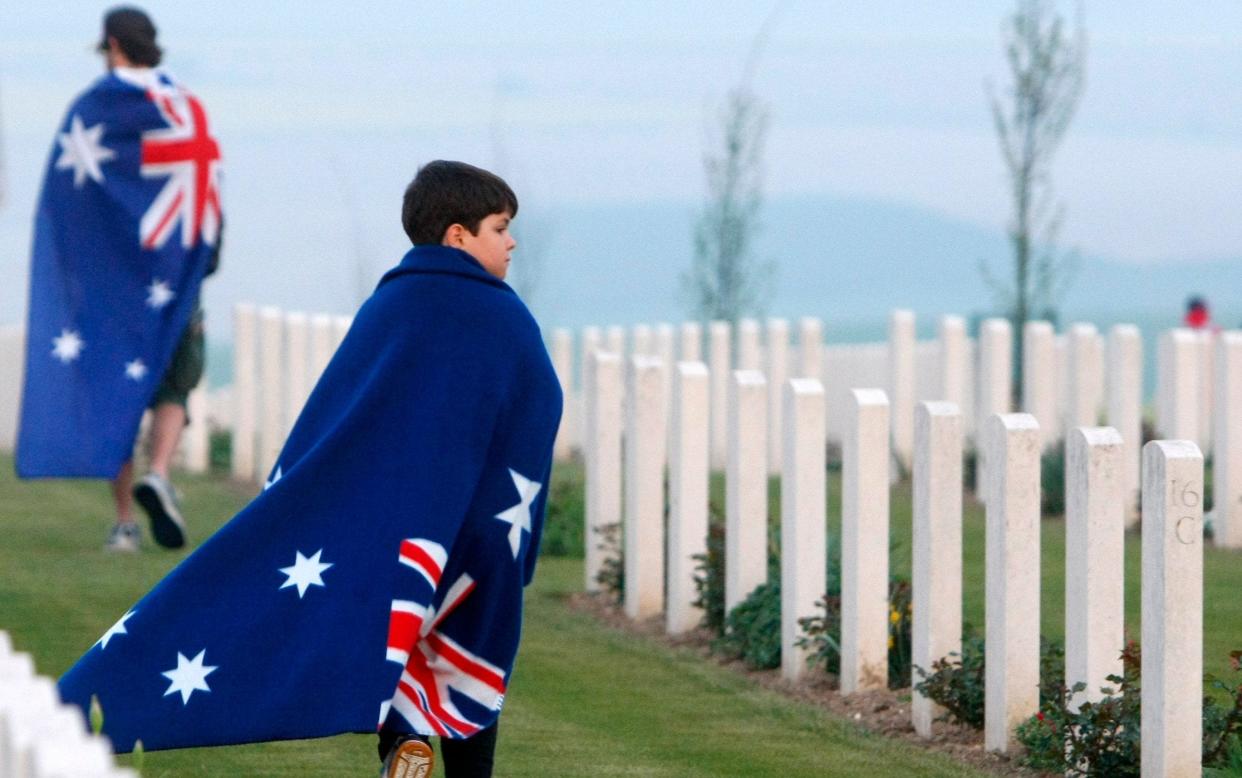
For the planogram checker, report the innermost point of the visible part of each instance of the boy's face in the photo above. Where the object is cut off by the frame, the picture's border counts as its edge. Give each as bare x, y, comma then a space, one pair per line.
490, 247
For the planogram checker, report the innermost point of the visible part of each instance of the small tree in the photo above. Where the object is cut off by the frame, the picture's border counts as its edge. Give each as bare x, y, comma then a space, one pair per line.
1047, 66
726, 281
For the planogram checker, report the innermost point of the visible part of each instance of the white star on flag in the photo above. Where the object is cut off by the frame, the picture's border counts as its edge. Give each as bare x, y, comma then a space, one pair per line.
159, 294
82, 151
188, 676
519, 515
269, 483
305, 572
67, 346
135, 370
116, 629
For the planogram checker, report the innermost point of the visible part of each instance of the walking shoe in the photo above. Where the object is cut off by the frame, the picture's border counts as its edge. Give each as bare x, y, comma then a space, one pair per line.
124, 537
157, 498
408, 758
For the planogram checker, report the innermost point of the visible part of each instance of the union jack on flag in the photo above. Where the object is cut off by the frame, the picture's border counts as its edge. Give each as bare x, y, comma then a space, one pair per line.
110, 289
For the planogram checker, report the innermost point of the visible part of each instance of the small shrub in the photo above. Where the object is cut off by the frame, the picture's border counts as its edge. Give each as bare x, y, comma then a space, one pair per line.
970, 469
1052, 482
821, 634
220, 450
1103, 738
900, 609
1222, 725
709, 581
565, 518
753, 629
611, 575
956, 682
1098, 738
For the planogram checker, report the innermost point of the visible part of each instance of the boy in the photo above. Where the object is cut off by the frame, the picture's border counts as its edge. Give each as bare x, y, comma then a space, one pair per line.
377, 581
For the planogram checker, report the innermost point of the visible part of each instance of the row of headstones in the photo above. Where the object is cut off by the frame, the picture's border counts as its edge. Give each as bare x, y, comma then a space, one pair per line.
659, 578
278, 357
1099, 378
41, 737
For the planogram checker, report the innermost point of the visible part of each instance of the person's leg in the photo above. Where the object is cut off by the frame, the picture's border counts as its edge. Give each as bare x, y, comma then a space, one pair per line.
124, 535
472, 757
121, 496
403, 755
154, 492
167, 422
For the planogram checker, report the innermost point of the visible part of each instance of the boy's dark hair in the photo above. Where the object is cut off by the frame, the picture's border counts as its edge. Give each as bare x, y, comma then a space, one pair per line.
134, 33
445, 193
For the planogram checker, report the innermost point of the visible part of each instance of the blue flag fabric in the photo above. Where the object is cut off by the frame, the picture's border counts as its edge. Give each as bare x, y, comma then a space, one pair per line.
127, 223
379, 575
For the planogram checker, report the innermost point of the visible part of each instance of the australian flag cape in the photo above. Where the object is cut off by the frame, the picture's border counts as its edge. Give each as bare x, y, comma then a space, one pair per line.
378, 577
127, 223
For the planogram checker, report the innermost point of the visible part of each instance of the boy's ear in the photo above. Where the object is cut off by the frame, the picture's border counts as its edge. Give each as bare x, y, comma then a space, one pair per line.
453, 235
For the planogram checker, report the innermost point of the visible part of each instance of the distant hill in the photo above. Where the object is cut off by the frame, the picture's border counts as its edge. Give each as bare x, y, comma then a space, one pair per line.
845, 260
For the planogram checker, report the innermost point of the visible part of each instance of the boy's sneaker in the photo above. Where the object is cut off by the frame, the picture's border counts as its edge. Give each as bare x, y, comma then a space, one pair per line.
157, 498
408, 758
124, 537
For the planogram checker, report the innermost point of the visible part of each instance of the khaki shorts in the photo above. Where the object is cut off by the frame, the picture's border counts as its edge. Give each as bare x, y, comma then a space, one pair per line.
186, 368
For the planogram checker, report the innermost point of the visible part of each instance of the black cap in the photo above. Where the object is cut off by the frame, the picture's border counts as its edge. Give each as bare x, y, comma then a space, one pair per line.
135, 34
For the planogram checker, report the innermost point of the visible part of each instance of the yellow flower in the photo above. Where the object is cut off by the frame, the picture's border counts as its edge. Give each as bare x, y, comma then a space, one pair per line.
894, 617
890, 642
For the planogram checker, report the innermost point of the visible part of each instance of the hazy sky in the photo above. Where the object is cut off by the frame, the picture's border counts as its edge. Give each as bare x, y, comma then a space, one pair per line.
324, 111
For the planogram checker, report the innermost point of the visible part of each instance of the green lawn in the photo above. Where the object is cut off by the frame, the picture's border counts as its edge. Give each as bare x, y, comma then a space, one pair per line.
585, 701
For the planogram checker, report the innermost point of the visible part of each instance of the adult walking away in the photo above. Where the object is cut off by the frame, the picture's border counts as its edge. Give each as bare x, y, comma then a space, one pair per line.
128, 225
376, 583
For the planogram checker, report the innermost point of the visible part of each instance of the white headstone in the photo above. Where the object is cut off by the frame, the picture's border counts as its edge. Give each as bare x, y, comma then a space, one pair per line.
951, 334
563, 364
271, 391
592, 338
994, 393
614, 341
901, 383
803, 526
1125, 408
640, 340
746, 488
664, 348
321, 345
1039, 379
1011, 682
1207, 375
1227, 442
777, 354
748, 357
937, 550
602, 457
297, 369
1094, 559
1086, 377
245, 392
687, 494
810, 347
719, 360
645, 437
691, 348
864, 544
1179, 366
196, 439
1172, 660
340, 328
